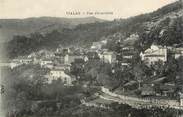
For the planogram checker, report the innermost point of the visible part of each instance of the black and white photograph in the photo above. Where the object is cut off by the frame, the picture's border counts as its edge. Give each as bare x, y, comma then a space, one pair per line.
91, 58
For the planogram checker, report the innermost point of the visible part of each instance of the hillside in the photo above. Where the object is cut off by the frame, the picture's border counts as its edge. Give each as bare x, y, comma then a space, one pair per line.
11, 27
163, 26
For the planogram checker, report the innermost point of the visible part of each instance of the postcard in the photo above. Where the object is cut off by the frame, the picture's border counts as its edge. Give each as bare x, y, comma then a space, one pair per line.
91, 58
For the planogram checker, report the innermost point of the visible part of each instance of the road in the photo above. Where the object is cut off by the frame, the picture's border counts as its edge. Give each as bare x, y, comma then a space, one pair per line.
140, 102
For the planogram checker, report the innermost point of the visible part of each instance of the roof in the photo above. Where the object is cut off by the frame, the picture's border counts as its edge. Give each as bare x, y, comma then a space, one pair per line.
154, 80
159, 80
157, 46
167, 87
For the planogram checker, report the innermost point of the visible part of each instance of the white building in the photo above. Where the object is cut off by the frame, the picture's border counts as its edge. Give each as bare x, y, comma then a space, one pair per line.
60, 74
154, 54
108, 57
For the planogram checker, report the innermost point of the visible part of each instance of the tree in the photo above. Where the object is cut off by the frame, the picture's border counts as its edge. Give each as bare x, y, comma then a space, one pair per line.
158, 68
107, 81
173, 34
139, 73
77, 69
171, 68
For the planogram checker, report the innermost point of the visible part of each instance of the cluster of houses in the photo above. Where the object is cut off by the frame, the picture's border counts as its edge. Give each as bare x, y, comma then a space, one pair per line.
59, 62
159, 53
154, 86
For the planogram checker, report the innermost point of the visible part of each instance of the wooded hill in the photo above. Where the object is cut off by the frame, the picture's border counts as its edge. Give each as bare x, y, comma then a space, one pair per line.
163, 26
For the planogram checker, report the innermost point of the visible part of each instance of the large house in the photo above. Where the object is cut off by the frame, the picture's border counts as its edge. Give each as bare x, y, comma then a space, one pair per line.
154, 54
56, 74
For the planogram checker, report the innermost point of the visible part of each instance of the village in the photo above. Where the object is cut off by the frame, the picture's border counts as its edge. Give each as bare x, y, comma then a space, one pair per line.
62, 62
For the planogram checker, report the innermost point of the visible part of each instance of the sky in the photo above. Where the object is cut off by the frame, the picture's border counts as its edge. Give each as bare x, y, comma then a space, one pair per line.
106, 9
